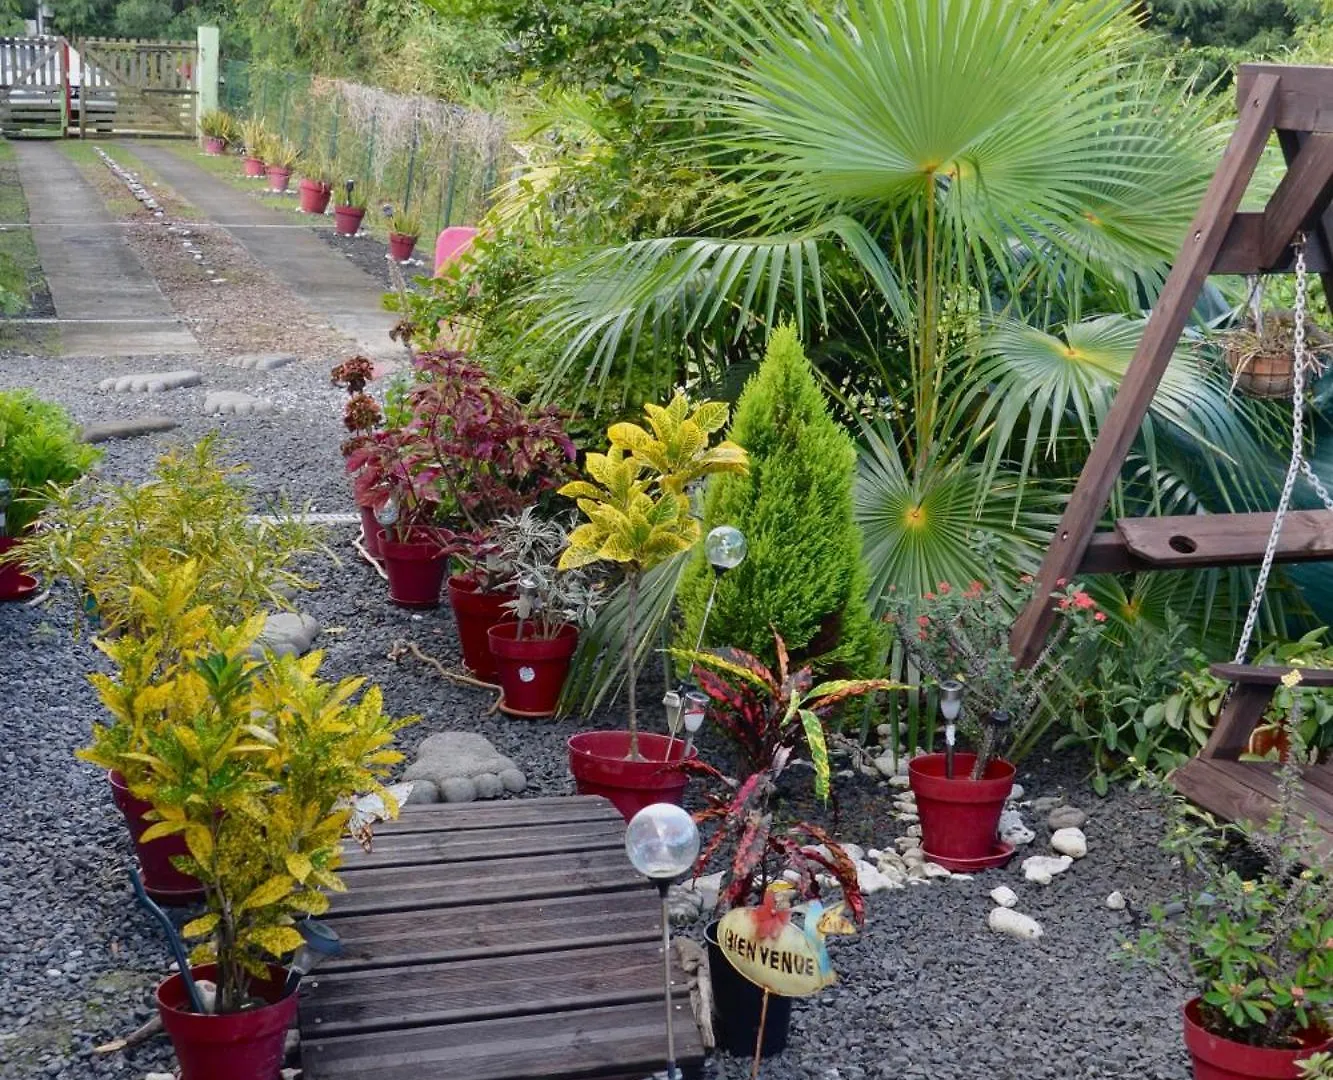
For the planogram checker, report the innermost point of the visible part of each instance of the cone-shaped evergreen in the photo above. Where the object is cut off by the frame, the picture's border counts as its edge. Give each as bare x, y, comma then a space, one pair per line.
803, 575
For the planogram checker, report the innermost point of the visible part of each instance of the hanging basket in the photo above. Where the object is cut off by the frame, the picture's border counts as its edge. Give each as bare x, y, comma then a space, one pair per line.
1261, 363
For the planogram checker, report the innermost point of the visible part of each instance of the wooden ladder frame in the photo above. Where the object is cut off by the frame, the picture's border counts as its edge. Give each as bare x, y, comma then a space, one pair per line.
1296, 103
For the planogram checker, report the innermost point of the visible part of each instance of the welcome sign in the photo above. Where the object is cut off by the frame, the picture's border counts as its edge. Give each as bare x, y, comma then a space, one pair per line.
776, 954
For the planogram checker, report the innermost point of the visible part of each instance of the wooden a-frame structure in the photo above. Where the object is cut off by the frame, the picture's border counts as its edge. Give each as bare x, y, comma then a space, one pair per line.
1296, 103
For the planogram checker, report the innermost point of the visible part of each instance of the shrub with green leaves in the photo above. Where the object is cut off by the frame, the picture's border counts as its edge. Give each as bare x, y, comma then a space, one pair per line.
803, 576
39, 447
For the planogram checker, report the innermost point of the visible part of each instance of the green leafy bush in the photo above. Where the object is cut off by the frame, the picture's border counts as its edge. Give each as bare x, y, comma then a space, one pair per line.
39, 447
803, 577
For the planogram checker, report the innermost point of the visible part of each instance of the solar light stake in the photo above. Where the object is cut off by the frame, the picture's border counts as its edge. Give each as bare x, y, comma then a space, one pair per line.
951, 704
662, 843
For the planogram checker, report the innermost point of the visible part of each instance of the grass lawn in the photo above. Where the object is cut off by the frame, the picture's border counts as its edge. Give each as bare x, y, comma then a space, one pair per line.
20, 269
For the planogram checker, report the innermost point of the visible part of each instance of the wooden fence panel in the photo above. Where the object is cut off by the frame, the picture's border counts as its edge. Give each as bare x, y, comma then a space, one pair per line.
134, 87
33, 86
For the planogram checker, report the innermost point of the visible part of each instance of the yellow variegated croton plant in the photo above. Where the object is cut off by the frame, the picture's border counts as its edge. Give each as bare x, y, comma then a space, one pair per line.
253, 762
636, 502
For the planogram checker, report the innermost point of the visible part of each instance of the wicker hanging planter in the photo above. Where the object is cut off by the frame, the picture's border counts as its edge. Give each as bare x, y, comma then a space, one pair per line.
1260, 360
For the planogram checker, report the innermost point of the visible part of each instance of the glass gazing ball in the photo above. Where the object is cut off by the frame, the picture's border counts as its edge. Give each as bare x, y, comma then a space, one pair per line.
662, 841
388, 513
725, 547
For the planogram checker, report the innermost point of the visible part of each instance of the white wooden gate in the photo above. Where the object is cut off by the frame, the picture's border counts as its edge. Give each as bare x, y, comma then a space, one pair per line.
34, 86
133, 87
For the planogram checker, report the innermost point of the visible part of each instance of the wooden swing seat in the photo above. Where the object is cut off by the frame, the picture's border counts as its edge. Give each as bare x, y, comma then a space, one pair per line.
1195, 540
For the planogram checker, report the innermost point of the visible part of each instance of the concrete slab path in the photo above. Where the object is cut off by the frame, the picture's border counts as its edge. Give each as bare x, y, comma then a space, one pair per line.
347, 297
107, 303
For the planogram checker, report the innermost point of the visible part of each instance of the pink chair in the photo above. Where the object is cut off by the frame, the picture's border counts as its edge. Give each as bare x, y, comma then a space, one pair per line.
451, 244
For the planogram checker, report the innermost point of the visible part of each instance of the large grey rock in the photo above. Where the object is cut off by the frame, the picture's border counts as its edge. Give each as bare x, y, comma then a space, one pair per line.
261, 361
286, 633
465, 766
151, 382
235, 403
1013, 830
1066, 817
126, 429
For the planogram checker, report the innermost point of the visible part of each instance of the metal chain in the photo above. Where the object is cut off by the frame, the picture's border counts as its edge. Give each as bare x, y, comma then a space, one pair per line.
1298, 463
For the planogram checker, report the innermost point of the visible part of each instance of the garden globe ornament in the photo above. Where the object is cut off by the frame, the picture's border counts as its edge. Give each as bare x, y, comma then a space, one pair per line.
662, 842
725, 548
387, 514
951, 705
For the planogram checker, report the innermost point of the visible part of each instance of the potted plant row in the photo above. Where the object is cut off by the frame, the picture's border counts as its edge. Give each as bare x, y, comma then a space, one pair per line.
250, 767
217, 128
281, 159
638, 515
404, 230
349, 210
959, 637
316, 187
255, 139
39, 450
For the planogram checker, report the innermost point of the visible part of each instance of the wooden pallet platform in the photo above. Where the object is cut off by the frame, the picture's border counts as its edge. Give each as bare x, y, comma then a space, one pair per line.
1247, 791
509, 941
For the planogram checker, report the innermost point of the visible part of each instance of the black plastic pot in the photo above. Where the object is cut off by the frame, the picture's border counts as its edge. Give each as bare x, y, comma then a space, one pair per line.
737, 1003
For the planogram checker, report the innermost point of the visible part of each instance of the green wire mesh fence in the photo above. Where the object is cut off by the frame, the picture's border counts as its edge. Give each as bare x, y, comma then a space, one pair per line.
438, 161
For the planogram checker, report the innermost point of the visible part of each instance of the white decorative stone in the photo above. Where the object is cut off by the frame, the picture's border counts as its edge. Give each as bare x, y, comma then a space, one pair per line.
887, 765
1070, 842
1116, 901
855, 852
1041, 868
1013, 830
151, 383
1004, 896
935, 870
1016, 793
1004, 920
899, 781
870, 880
235, 403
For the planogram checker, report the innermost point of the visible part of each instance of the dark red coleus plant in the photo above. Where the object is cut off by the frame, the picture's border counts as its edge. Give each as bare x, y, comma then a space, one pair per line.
755, 852
470, 454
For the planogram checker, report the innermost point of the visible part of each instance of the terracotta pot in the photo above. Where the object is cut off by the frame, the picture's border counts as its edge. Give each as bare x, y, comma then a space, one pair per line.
370, 532
314, 195
214, 146
401, 246
415, 567
246, 1045
163, 882
600, 765
475, 613
1216, 1058
531, 670
254, 166
347, 219
278, 178
959, 817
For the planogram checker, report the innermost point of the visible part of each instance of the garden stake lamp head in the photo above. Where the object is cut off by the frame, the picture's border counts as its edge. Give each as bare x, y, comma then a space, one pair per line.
173, 939
662, 842
6, 497
695, 710
321, 943
951, 704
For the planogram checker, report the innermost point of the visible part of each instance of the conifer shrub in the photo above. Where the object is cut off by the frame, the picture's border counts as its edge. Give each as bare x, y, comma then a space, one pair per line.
803, 576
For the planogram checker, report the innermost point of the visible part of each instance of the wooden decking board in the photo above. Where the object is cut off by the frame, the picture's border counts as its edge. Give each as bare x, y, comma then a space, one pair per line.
464, 884
503, 942
481, 989
502, 929
417, 849
1262, 775
592, 1042
1239, 793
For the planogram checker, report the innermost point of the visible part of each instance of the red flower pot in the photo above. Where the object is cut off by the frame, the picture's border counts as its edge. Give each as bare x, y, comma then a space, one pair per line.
370, 532
599, 764
163, 882
246, 1045
214, 146
415, 567
400, 246
314, 195
254, 166
959, 817
531, 670
347, 219
278, 178
1216, 1058
14, 582
476, 612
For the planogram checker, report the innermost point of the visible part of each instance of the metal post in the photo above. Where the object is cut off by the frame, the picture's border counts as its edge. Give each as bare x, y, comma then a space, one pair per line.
453, 183
672, 1073
333, 135
370, 147
412, 156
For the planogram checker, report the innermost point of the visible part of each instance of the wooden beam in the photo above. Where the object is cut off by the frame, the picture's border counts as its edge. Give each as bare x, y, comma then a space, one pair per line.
1270, 675
1321, 231
1244, 708
1301, 197
1195, 540
1240, 251
1305, 95
1160, 336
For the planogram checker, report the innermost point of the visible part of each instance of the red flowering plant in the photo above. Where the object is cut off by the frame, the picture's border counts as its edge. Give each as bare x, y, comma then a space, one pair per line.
755, 851
962, 633
362, 414
469, 454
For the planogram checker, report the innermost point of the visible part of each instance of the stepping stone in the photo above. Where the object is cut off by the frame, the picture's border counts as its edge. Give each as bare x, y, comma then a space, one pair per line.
151, 383
235, 403
127, 429
261, 361
286, 633
463, 766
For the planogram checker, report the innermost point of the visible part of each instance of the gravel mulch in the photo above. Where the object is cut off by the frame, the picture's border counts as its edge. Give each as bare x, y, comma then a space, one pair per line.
926, 990
371, 254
